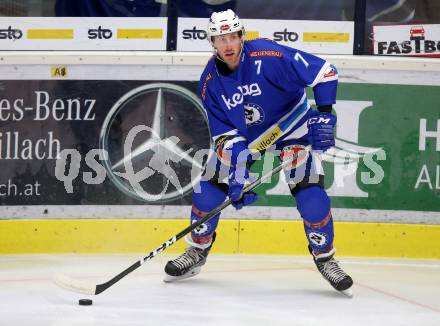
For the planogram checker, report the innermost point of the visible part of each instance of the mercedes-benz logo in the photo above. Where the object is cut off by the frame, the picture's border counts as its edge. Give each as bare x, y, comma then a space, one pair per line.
151, 135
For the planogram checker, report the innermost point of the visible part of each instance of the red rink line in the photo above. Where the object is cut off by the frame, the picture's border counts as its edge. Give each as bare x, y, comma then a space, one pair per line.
398, 297
392, 295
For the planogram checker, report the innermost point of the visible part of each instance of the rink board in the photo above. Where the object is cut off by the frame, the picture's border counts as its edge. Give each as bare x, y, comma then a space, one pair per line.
279, 237
51, 101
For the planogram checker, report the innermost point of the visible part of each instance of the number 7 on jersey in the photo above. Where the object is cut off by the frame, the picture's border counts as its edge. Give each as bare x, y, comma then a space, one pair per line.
258, 64
298, 57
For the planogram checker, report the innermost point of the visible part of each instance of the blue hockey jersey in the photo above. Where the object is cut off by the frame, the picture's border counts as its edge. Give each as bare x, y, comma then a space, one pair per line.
264, 99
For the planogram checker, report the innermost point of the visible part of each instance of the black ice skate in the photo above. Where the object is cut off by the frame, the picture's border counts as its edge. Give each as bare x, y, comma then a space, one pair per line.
187, 264
330, 270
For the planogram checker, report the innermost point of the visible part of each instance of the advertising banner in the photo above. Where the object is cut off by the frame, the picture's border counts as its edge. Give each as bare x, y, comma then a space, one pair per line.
408, 40
70, 142
322, 37
83, 33
107, 142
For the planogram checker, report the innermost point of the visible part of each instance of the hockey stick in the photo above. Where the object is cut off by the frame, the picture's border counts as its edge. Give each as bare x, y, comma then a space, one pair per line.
79, 286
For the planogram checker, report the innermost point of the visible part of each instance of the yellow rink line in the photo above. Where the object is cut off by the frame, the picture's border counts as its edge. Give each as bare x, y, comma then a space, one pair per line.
234, 236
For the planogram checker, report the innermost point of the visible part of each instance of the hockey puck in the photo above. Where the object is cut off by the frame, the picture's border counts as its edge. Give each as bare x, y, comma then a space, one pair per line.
85, 302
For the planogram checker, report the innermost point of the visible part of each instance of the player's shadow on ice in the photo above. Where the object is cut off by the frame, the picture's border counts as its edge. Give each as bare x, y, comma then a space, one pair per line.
203, 283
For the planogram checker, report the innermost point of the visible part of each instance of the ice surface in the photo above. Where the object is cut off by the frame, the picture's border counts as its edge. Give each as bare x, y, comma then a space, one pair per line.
231, 290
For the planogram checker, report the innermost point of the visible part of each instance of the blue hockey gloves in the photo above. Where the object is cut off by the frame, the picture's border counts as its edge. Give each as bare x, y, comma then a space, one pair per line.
237, 180
321, 131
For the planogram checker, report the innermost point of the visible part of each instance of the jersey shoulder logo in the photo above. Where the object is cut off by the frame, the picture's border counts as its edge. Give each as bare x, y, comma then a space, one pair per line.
330, 71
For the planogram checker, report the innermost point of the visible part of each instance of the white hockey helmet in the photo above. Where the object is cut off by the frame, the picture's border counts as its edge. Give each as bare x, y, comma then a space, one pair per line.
224, 22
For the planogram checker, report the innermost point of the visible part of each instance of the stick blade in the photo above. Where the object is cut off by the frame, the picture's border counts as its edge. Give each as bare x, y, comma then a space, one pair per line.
74, 285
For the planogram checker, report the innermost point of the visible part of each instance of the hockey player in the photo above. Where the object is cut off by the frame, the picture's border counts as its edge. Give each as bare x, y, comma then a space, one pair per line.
254, 96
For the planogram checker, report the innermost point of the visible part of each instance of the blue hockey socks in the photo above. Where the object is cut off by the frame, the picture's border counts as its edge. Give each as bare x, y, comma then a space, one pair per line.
313, 204
205, 201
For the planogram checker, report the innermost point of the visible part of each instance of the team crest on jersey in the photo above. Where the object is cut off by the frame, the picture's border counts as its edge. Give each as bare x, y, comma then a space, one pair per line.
254, 114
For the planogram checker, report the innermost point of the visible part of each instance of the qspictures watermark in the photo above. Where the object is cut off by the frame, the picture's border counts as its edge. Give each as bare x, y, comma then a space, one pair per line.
166, 153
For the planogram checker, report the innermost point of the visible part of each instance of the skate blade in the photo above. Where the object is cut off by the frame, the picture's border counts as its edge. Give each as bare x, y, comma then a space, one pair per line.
347, 293
170, 279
